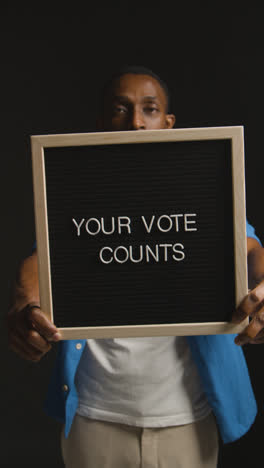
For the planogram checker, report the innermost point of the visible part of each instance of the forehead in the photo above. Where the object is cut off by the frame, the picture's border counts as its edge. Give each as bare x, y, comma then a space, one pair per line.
135, 86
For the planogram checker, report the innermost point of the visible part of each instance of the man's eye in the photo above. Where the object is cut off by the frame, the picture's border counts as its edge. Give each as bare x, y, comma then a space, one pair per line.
151, 110
120, 110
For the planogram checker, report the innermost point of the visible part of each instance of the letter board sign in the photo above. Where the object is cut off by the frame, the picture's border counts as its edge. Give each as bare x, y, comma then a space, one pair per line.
141, 233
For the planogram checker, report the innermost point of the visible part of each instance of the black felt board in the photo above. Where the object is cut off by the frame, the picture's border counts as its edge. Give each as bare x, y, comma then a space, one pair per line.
137, 180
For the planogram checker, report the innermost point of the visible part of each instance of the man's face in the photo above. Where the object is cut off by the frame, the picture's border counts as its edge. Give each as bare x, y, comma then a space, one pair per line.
136, 102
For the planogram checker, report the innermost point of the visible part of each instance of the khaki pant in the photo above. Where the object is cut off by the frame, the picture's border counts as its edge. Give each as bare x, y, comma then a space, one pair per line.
101, 444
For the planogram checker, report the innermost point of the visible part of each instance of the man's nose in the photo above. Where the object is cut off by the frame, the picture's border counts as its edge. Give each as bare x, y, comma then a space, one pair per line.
137, 121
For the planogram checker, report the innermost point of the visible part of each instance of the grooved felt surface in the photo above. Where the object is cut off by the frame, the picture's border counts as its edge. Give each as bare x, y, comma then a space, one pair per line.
134, 180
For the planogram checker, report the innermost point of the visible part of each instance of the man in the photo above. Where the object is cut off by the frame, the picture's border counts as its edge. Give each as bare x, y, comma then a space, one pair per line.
143, 401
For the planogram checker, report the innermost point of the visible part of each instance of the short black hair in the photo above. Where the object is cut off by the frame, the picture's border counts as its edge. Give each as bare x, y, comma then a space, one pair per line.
135, 70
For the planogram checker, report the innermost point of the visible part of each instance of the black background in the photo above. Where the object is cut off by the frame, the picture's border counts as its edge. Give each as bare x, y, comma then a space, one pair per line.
53, 64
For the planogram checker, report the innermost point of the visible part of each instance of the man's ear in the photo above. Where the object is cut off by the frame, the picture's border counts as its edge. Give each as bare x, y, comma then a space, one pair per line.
170, 120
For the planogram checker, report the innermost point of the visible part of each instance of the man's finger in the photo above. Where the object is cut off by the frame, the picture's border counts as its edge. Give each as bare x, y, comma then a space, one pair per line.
24, 350
255, 326
30, 340
43, 325
32, 318
250, 305
259, 338
38, 342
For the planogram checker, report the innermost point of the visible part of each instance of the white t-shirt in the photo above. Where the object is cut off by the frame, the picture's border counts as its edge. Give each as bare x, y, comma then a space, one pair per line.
146, 382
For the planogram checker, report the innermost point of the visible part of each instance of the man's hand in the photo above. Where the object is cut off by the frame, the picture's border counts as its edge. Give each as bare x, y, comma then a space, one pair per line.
251, 306
30, 332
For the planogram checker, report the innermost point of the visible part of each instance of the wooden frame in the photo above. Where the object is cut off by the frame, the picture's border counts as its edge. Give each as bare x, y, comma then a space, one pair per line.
40, 142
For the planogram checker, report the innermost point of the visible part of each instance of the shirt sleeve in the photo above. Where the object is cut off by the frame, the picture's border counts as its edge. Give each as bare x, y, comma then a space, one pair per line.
251, 232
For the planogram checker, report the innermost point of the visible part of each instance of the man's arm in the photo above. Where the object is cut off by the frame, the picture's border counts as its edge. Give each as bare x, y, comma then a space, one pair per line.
30, 333
253, 304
